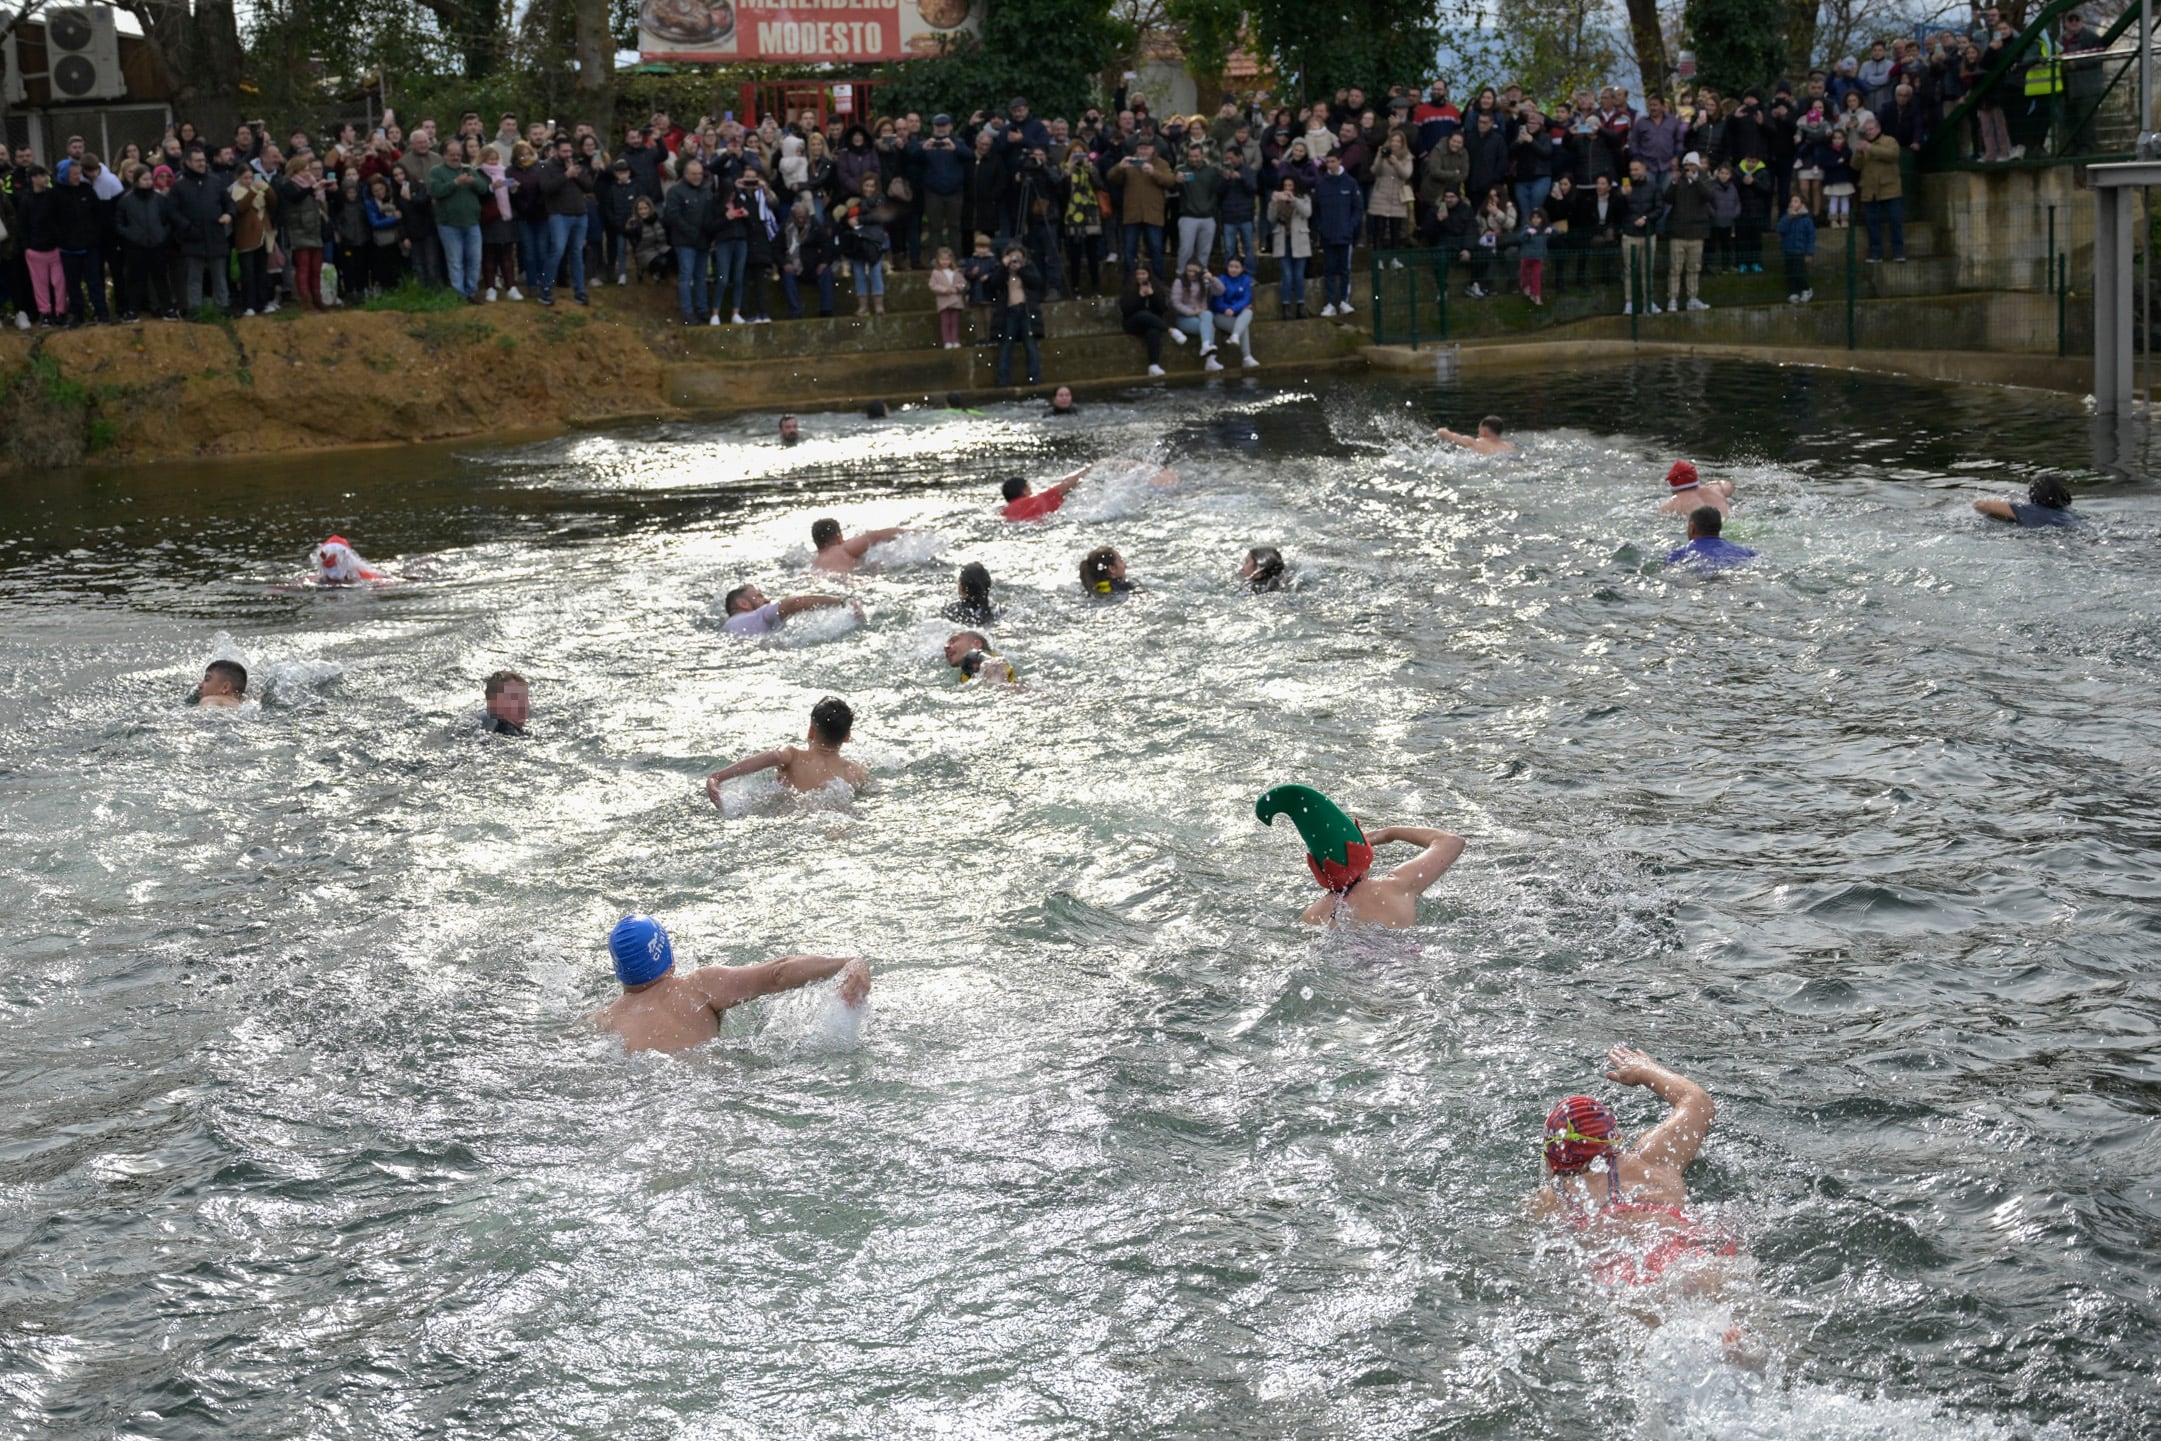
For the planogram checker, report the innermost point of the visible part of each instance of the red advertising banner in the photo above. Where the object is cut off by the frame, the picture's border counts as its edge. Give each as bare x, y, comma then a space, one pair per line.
812, 31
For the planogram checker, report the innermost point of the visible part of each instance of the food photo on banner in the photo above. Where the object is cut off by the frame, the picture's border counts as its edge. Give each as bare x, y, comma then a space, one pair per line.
718, 30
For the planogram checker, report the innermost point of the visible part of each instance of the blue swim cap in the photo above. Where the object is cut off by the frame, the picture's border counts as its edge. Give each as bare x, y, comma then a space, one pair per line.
641, 950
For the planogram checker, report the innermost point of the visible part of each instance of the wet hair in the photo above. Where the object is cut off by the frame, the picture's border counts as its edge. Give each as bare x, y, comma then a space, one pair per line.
2050, 493
875, 410
824, 532
954, 400
1095, 566
733, 596
975, 584
232, 672
1705, 520
1492, 423
494, 684
1015, 487
832, 720
1267, 567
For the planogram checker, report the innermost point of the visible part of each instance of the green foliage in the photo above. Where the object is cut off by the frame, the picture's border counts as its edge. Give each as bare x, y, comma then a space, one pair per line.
1048, 50
45, 371
208, 313
1209, 31
411, 295
1555, 47
1366, 42
103, 433
1738, 43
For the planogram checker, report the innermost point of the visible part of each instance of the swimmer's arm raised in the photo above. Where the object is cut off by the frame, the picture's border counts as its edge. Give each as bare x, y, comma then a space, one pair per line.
725, 986
1455, 437
2000, 509
857, 545
1441, 851
1675, 1140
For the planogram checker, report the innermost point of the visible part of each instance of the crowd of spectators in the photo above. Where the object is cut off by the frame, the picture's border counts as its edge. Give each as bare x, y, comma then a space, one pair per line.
1007, 209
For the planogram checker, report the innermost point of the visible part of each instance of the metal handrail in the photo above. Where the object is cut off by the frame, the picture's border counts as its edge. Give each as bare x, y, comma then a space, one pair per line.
1941, 152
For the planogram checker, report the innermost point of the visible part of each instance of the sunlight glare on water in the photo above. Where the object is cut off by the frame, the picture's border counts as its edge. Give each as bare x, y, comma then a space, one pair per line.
305, 1136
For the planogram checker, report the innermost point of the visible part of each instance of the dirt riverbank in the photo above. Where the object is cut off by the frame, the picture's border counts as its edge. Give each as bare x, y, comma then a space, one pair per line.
294, 383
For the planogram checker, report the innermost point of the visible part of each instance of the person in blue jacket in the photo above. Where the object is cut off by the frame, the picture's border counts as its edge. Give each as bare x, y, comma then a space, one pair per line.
1797, 243
1233, 306
1706, 548
1339, 211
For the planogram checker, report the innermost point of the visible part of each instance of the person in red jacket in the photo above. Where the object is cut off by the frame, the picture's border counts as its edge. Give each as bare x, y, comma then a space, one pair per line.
1023, 504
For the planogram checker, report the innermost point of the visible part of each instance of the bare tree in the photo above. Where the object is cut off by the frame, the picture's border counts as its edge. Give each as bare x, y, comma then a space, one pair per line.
197, 43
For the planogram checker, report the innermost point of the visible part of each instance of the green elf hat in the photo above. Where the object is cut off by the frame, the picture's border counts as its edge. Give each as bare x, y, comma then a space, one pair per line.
1337, 852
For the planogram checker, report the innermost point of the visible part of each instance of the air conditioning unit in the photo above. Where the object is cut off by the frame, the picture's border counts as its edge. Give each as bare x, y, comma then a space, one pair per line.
82, 54
11, 83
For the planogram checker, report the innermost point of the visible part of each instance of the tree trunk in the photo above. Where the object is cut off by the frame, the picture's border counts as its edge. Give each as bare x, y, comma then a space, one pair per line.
1650, 42
201, 54
595, 94
1800, 37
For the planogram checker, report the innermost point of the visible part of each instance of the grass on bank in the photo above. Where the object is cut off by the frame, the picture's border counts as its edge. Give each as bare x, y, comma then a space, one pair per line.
413, 297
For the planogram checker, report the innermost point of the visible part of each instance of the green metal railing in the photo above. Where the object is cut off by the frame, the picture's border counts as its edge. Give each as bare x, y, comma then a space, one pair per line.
2071, 115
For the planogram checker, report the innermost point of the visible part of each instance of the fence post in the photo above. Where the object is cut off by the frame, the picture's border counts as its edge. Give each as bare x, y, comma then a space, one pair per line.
1410, 277
1853, 281
1375, 252
2061, 264
1632, 283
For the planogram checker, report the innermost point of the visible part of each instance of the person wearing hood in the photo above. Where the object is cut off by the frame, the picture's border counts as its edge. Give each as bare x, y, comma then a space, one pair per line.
1340, 856
81, 229
857, 159
145, 223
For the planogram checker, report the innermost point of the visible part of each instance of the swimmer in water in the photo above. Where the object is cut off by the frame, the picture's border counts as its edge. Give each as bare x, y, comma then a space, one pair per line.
662, 1011
1706, 548
837, 555
2048, 502
960, 642
337, 563
1339, 853
969, 652
831, 722
1263, 570
1687, 491
509, 704
1023, 504
750, 613
1627, 1201
1103, 572
973, 607
790, 432
225, 684
1487, 442
1061, 403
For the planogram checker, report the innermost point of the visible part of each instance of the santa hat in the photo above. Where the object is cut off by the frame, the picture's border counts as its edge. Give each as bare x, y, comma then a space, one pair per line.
1336, 849
1682, 476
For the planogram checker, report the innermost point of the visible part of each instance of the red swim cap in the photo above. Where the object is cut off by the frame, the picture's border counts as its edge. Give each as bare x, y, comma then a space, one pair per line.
1682, 476
339, 540
1578, 1129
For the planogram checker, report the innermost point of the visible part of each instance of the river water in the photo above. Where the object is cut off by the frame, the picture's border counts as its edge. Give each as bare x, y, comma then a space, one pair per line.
303, 1136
